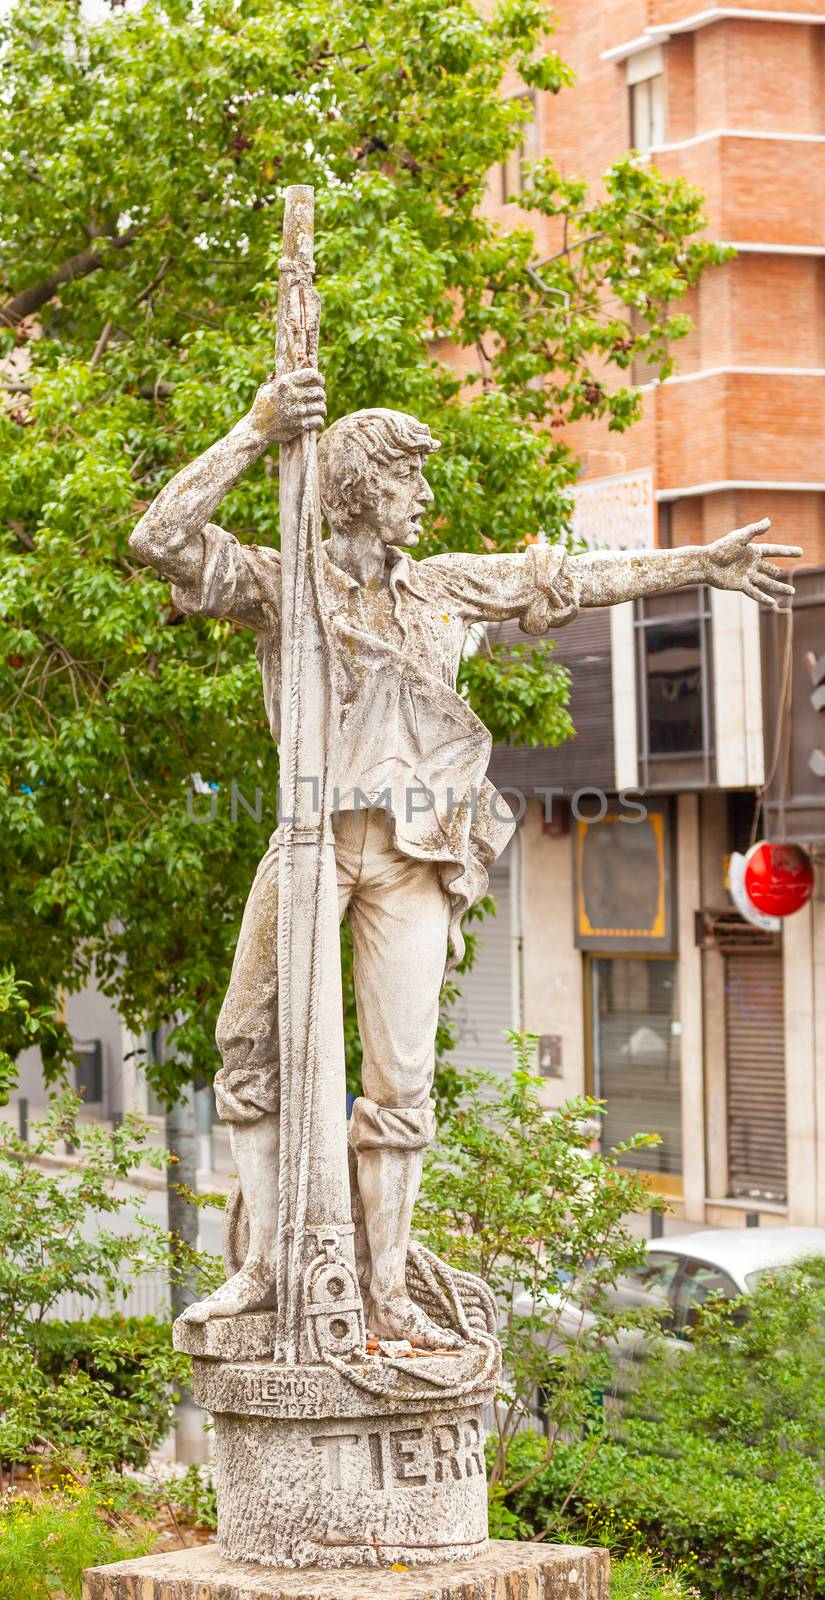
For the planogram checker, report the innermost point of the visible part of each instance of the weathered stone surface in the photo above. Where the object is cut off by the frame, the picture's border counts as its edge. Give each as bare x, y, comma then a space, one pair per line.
263, 1389
248, 1337
316, 1470
506, 1571
353, 1492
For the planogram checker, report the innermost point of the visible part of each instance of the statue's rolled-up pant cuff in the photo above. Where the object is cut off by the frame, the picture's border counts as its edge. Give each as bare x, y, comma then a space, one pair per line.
405, 1128
246, 1097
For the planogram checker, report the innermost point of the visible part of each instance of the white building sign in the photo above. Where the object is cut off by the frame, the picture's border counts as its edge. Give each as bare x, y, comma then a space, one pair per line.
616, 513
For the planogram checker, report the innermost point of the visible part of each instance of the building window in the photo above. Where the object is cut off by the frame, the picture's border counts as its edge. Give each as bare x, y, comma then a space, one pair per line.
646, 86
673, 656
634, 1044
512, 169
623, 875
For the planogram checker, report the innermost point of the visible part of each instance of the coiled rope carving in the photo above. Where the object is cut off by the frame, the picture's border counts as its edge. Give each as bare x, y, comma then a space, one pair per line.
457, 1300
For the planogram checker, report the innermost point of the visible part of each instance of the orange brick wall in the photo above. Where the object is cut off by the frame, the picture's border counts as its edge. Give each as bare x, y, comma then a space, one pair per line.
760, 191
680, 81
770, 76
795, 518
764, 309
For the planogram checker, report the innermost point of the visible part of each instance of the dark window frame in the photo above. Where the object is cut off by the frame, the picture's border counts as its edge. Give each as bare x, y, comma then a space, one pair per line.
90, 1071
697, 768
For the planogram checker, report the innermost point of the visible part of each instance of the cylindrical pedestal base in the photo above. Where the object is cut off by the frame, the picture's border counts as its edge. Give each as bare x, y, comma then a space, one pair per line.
315, 1470
352, 1492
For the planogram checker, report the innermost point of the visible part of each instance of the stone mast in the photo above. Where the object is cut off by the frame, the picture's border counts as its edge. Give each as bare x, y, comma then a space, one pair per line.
316, 1260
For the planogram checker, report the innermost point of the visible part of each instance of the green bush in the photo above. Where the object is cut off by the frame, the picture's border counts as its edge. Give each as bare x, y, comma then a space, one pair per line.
512, 1192
47, 1540
127, 1371
194, 1497
720, 1453
105, 1387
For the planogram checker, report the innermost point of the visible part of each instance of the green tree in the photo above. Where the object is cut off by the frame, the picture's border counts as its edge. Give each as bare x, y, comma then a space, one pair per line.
143, 164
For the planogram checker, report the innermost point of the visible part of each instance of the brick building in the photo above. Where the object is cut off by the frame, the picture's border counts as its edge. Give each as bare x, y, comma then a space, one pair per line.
730, 97
696, 1026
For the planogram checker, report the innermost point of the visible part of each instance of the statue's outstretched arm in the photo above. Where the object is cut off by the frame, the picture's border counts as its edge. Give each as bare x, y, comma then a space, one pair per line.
608, 577
170, 535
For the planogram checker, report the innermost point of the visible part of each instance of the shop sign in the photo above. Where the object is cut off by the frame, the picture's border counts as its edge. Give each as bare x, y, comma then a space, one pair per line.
624, 881
769, 882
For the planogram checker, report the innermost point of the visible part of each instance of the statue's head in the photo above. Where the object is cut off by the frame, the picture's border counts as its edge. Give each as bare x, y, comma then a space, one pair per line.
371, 471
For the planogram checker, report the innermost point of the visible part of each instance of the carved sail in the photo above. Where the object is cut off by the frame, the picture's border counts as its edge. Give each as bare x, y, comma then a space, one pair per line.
319, 1305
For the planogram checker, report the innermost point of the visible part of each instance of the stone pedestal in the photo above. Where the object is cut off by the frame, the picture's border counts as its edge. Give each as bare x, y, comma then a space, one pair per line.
363, 1464
506, 1571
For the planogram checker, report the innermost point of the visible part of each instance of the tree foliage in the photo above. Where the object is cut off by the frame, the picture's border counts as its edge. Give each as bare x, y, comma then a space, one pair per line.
143, 160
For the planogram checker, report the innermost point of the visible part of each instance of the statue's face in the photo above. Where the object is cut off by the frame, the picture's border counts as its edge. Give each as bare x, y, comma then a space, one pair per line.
404, 495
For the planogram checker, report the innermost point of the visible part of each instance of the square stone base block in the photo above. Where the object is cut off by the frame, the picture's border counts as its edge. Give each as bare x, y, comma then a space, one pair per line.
508, 1570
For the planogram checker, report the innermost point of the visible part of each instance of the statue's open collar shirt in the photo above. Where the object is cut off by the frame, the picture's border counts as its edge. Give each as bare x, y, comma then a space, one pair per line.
396, 647
424, 608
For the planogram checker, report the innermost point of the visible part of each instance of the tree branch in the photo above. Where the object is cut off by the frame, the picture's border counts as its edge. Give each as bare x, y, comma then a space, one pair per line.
37, 294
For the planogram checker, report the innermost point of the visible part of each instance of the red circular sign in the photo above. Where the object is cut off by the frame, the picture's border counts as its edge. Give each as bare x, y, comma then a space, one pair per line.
779, 878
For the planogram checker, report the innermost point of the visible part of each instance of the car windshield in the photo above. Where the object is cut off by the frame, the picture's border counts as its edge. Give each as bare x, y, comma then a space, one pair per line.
646, 1285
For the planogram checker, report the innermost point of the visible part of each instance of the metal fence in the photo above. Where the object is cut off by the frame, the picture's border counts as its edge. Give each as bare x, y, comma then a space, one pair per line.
145, 1297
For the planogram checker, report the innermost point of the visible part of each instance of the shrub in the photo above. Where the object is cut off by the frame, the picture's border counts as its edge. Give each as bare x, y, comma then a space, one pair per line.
641, 1576
720, 1453
512, 1192
46, 1540
105, 1387
194, 1498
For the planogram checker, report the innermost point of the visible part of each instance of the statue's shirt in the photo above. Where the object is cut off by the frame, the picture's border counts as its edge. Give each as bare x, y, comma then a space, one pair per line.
404, 739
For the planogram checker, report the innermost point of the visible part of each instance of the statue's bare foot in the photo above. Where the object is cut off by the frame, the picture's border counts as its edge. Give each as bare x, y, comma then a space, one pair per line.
251, 1289
396, 1316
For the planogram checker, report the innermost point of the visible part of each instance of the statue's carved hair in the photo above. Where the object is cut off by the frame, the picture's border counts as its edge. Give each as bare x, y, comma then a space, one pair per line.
353, 452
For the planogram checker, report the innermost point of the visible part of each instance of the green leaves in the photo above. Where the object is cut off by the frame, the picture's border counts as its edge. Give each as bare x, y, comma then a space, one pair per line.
520, 694
48, 1539
512, 1192
102, 1389
23, 1024
719, 1451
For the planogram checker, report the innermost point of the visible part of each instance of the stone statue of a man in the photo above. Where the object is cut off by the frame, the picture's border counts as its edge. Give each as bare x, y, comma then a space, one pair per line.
417, 823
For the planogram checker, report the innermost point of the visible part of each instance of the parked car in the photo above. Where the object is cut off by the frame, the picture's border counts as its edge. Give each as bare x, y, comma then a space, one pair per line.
679, 1274
684, 1270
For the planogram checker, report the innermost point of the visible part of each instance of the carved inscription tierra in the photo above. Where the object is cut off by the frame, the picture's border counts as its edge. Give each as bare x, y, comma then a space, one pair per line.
401, 1457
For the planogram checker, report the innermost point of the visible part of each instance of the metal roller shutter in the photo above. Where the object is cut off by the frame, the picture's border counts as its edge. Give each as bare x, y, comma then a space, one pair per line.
485, 1006
757, 1150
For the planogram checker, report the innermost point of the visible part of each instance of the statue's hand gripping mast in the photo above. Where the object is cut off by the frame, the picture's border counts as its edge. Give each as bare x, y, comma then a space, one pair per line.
320, 1315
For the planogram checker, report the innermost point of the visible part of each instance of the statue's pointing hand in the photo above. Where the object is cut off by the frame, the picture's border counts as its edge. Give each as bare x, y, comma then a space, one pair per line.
735, 563
287, 406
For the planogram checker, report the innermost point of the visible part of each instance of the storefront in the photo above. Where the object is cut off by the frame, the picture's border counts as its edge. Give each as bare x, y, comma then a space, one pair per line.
626, 930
